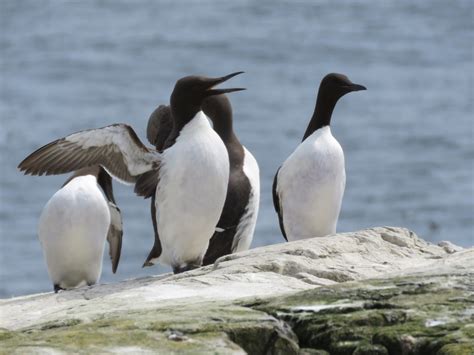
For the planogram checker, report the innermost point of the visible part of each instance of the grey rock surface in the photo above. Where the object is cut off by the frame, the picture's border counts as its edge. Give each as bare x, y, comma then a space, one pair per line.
248, 302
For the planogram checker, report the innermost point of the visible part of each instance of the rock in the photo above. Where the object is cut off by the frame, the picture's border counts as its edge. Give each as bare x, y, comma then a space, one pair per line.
449, 247
377, 291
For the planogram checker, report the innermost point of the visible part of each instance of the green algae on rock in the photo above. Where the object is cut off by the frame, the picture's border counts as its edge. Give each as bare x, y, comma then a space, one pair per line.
378, 291
418, 315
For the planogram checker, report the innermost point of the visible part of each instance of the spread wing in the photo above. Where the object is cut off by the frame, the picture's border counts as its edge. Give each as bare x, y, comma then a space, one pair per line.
146, 183
117, 148
276, 204
159, 126
114, 236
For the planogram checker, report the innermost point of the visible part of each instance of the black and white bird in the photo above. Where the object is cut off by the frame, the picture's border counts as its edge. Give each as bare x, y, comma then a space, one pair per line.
73, 228
235, 229
188, 180
309, 186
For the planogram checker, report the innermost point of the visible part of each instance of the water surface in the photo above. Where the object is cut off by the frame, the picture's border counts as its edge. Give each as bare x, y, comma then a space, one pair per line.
408, 139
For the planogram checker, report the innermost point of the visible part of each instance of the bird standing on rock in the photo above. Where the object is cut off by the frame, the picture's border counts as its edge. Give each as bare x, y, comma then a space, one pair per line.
309, 186
234, 231
188, 180
73, 228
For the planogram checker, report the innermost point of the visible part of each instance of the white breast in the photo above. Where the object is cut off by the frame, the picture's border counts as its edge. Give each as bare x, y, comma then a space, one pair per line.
311, 185
191, 192
72, 230
244, 233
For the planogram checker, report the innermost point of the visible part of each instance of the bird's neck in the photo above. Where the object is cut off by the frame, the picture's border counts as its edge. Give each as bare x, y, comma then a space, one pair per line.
322, 113
181, 115
224, 128
235, 151
181, 118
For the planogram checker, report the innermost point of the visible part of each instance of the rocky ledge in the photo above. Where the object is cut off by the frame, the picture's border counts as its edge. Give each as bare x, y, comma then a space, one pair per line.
376, 291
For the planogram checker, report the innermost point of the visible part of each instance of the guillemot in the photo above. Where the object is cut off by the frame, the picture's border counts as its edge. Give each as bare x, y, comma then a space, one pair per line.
309, 186
188, 180
234, 231
74, 225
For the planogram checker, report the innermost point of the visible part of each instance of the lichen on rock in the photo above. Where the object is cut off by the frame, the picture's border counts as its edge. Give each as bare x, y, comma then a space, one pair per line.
377, 291
381, 316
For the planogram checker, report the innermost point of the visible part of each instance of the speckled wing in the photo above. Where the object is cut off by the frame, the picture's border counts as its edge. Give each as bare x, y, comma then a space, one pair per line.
116, 148
159, 126
114, 236
276, 204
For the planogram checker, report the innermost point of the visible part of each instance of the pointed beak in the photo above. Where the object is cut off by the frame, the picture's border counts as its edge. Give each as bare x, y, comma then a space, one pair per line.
216, 81
356, 87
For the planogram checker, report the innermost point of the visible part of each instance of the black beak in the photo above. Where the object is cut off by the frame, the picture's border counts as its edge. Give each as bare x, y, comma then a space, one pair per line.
356, 87
216, 81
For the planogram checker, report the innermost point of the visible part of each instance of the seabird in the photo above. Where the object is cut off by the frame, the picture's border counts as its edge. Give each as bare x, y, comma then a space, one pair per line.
308, 187
188, 180
73, 228
234, 231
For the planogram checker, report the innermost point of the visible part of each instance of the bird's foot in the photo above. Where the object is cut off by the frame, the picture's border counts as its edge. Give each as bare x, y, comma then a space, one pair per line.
57, 288
187, 267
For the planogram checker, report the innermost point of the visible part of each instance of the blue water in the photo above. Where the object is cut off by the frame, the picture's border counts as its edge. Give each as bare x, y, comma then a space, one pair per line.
408, 139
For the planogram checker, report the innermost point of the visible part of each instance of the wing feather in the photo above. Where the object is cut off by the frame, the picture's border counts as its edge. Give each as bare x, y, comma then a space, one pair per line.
116, 147
114, 236
146, 183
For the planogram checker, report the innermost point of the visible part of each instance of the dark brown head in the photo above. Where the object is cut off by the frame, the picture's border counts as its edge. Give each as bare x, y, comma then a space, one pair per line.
189, 93
334, 86
159, 126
